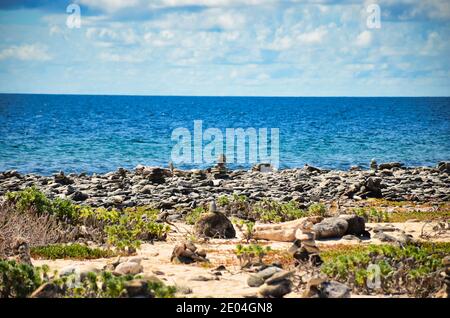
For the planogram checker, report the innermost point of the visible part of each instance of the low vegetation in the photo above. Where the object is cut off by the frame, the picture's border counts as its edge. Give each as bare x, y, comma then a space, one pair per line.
71, 251
413, 269
20, 280
194, 215
274, 212
37, 230
251, 254
247, 227
122, 229
372, 215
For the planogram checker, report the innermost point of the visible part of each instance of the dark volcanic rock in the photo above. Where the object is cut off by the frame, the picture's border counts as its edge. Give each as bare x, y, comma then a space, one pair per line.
333, 227
356, 224
215, 224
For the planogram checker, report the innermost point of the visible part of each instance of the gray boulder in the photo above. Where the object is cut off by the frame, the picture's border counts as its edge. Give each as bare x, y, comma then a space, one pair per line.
334, 227
215, 225
356, 224
321, 288
276, 291
389, 165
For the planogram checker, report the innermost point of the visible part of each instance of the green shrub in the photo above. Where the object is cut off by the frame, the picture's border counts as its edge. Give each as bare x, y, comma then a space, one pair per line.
106, 285
18, 280
223, 200
247, 227
72, 251
372, 215
251, 254
413, 269
274, 212
123, 229
134, 225
160, 290
318, 209
194, 215
32, 198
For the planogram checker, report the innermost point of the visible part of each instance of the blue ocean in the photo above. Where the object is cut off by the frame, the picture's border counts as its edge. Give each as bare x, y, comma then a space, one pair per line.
76, 133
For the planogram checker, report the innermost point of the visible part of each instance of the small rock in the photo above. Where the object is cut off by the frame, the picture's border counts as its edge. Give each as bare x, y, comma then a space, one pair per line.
321, 288
128, 268
255, 280
276, 291
80, 196
278, 277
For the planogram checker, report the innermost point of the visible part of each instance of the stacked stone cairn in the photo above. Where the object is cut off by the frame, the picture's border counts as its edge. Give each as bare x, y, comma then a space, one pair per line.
219, 171
187, 253
304, 247
155, 175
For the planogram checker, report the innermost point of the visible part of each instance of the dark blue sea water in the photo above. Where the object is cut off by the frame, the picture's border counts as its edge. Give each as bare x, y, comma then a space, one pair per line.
47, 133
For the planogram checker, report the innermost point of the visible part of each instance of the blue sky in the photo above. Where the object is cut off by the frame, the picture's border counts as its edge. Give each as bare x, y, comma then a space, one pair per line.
226, 47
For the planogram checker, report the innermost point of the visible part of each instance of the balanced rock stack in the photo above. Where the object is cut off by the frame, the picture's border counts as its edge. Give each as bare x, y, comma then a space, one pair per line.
304, 247
187, 253
219, 171
214, 224
273, 282
62, 179
444, 166
373, 165
22, 251
153, 174
262, 167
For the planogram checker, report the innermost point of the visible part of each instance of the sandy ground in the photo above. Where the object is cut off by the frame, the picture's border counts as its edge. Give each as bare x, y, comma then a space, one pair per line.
232, 282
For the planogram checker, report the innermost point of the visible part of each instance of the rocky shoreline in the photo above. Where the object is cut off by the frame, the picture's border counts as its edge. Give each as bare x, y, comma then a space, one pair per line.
177, 191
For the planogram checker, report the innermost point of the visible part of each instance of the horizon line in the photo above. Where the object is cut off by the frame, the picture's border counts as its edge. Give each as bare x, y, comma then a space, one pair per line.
239, 96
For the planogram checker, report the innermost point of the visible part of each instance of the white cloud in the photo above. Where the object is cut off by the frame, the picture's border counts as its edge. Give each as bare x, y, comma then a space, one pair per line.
364, 39
26, 52
126, 58
313, 37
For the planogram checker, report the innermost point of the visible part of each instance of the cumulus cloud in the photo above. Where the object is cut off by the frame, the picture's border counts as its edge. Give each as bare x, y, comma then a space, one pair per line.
313, 37
26, 52
364, 39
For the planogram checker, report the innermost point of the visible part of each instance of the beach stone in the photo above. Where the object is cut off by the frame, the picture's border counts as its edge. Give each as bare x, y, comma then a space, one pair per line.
333, 227
255, 280
21, 249
383, 237
279, 277
444, 166
321, 288
350, 237
79, 196
128, 268
276, 291
215, 225
268, 272
373, 185
389, 165
186, 253
62, 179
356, 224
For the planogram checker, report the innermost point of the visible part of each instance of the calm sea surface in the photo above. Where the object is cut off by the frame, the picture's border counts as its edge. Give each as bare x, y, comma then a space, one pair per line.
47, 133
